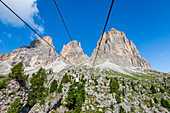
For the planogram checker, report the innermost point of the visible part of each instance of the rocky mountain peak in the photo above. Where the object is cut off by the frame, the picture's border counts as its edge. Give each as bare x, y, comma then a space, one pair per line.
73, 52
38, 42
37, 54
116, 48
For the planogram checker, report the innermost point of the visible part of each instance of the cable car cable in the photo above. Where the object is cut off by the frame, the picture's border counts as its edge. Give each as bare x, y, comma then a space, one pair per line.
103, 31
64, 23
32, 29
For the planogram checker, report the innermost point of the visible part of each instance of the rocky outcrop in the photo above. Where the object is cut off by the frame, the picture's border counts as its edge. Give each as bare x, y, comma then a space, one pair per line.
37, 54
169, 73
73, 53
8, 95
46, 108
116, 48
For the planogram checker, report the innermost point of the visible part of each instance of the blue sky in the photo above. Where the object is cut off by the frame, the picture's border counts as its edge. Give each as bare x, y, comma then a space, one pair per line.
145, 22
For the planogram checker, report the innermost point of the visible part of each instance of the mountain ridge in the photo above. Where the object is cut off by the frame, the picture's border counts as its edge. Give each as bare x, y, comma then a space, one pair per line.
115, 48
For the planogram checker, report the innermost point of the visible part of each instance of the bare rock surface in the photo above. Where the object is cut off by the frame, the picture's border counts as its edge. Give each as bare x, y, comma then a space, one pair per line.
37, 54
73, 53
116, 48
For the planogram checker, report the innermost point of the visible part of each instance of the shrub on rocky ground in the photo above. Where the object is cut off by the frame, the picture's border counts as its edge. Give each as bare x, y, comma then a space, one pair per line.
155, 100
114, 85
15, 107
2, 84
118, 99
153, 90
122, 110
165, 103
112, 106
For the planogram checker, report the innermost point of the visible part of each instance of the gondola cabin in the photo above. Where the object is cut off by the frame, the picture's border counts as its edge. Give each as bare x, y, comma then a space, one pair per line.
77, 77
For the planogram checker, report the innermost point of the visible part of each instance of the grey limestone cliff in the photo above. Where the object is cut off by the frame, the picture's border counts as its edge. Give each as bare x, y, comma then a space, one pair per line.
116, 48
37, 54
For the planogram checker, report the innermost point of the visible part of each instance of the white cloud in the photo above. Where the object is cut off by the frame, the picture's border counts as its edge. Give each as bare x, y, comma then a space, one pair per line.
9, 35
26, 9
0, 41
33, 36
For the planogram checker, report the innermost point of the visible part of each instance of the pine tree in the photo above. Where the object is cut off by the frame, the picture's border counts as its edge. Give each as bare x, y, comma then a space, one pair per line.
122, 110
132, 110
79, 103
104, 83
162, 90
37, 91
82, 92
165, 103
123, 92
60, 88
112, 106
65, 78
114, 85
155, 100
96, 83
80, 98
118, 99
151, 103
133, 86
71, 98
53, 86
123, 83
15, 107
18, 72
153, 90
2, 84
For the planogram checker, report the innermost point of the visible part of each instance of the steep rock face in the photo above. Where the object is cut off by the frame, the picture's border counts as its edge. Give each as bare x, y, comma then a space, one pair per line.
37, 54
116, 48
73, 53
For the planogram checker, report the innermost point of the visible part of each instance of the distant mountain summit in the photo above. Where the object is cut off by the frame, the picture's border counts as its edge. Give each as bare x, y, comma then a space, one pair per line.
37, 54
73, 53
117, 49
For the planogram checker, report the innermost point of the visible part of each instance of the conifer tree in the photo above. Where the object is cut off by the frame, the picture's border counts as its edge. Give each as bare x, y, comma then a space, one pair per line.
71, 98
118, 99
165, 103
114, 85
112, 106
65, 78
15, 107
123, 92
151, 103
79, 103
17, 72
60, 88
162, 90
2, 84
153, 90
38, 91
53, 86
155, 100
122, 110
